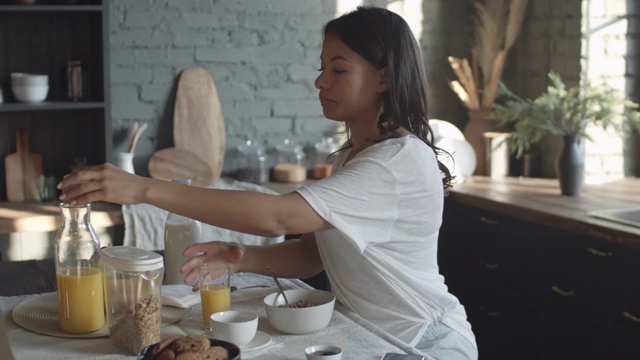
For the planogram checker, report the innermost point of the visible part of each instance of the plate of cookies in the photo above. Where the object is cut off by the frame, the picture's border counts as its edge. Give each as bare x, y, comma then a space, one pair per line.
190, 347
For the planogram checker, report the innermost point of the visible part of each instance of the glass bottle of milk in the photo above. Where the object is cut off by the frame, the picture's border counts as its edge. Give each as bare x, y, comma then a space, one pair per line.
179, 233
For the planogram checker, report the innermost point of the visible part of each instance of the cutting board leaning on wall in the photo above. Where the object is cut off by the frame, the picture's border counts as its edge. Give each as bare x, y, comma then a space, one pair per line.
22, 169
198, 125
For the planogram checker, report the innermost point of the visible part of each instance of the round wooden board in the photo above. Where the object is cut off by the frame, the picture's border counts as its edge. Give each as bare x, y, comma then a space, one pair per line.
176, 163
198, 125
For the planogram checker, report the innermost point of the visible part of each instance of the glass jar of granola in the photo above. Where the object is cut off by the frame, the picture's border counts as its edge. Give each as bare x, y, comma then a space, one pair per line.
132, 281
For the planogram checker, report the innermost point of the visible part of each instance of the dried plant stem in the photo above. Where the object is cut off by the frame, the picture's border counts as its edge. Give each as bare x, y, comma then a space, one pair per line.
514, 23
497, 25
466, 81
474, 65
462, 93
490, 86
473, 85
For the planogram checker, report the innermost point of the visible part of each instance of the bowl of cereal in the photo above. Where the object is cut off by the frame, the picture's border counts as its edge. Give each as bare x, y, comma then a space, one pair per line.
309, 310
190, 347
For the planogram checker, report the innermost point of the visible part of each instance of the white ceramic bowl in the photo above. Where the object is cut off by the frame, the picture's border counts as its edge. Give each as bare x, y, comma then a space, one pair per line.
21, 79
30, 93
323, 352
300, 320
236, 327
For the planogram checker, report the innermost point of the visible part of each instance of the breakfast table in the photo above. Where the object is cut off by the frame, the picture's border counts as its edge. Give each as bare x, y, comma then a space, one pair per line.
358, 338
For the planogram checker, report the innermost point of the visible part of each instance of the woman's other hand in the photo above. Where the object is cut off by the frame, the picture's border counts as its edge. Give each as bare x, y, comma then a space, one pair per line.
211, 253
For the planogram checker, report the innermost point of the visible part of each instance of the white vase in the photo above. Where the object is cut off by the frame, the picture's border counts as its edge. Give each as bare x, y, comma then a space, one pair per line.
480, 121
125, 162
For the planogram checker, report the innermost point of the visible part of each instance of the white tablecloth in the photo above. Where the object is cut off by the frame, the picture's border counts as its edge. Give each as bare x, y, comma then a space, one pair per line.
358, 338
144, 224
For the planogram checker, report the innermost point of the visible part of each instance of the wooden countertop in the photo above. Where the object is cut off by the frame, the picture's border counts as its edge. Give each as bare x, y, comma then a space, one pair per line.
539, 201
44, 217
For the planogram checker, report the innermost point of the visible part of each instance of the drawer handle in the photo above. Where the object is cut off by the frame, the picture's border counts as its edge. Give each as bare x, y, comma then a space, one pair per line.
595, 252
562, 292
631, 317
488, 221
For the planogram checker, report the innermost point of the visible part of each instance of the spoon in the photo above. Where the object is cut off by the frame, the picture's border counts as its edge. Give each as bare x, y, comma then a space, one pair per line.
286, 302
235, 288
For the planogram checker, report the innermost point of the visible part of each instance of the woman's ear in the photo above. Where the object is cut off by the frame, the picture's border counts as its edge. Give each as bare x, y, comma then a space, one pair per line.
383, 83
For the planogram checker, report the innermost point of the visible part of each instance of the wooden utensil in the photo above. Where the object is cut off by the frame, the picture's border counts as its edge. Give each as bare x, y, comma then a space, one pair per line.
135, 136
198, 125
22, 169
175, 163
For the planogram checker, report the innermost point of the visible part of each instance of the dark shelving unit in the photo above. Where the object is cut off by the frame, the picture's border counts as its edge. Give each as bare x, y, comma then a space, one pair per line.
41, 39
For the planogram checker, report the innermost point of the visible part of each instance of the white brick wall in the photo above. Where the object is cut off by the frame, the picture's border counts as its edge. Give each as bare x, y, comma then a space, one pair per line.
262, 55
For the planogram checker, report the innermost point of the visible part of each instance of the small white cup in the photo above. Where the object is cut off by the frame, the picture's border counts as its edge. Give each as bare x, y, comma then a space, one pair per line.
236, 327
323, 352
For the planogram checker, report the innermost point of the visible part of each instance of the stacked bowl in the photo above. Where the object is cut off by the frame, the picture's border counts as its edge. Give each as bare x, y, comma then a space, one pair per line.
29, 88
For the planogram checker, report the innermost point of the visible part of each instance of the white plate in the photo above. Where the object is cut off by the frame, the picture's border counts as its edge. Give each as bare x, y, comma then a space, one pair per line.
464, 157
259, 341
40, 314
442, 129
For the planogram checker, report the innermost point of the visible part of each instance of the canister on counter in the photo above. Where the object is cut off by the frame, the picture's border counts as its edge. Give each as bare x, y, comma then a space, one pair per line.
291, 164
252, 163
132, 289
324, 155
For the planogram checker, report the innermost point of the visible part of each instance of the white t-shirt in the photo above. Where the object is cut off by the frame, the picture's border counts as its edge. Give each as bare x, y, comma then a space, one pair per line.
381, 258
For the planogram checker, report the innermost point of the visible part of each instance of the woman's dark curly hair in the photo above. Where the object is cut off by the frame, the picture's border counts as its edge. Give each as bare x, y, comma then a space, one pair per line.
385, 40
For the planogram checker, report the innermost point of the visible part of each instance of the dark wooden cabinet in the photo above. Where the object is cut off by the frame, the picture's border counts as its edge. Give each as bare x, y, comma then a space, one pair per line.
42, 38
537, 292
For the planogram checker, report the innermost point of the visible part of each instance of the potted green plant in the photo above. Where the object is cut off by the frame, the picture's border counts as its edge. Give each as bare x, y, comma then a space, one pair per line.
565, 112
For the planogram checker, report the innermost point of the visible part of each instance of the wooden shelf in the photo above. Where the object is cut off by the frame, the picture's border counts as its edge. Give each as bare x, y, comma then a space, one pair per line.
51, 106
49, 8
44, 217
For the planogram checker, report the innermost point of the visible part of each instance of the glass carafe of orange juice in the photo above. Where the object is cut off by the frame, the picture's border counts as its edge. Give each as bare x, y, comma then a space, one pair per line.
78, 275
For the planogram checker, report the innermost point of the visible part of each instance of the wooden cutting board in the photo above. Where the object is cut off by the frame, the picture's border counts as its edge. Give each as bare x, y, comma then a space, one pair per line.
22, 169
198, 125
176, 163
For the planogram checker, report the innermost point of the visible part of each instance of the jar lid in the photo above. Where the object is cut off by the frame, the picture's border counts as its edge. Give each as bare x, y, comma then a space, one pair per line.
326, 145
132, 259
250, 147
289, 146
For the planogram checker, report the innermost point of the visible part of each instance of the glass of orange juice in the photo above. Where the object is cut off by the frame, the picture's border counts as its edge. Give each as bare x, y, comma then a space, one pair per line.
215, 293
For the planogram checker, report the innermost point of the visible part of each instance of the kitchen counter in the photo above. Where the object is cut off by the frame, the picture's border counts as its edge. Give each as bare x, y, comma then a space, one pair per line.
43, 217
539, 201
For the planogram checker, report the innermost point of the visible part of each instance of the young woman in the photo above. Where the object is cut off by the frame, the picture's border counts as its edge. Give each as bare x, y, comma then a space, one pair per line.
372, 225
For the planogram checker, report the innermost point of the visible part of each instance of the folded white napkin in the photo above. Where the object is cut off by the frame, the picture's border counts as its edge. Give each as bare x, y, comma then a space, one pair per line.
179, 295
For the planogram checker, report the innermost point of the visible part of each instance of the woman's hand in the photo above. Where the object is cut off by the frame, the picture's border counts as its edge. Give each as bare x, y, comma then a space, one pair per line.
104, 182
211, 253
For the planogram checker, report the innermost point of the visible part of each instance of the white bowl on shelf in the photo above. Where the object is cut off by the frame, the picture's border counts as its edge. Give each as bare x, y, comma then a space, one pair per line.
30, 93
23, 79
